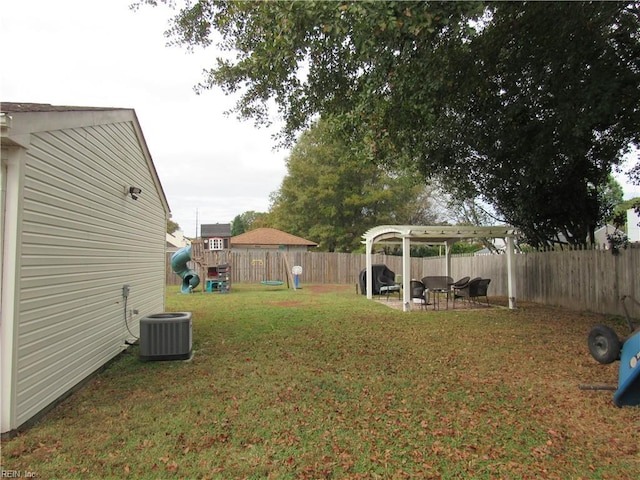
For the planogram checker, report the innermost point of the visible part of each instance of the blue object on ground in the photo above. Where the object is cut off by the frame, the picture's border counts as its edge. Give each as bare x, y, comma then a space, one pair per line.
628, 392
179, 260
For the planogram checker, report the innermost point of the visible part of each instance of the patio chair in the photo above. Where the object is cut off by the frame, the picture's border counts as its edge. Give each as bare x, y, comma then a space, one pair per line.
460, 283
457, 285
463, 290
380, 275
479, 289
390, 282
419, 293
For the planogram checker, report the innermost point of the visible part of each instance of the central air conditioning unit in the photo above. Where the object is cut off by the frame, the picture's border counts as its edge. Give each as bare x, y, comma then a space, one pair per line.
166, 336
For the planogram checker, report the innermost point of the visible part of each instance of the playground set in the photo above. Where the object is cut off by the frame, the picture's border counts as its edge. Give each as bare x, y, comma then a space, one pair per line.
216, 273
215, 269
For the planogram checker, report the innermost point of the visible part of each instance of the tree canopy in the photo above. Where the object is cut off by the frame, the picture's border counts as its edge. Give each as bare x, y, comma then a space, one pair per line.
545, 117
246, 221
478, 95
331, 195
172, 226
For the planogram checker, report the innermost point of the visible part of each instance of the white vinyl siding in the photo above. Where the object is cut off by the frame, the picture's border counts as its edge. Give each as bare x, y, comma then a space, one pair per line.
83, 237
633, 225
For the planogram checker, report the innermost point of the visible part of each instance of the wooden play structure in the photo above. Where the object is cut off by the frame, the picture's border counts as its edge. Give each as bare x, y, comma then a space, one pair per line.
212, 266
212, 270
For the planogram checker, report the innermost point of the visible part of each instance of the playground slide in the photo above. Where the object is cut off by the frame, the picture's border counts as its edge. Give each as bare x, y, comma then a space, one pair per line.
190, 279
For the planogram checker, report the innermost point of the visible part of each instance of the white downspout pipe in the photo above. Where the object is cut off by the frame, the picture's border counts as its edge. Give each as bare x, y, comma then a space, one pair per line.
406, 273
12, 160
447, 253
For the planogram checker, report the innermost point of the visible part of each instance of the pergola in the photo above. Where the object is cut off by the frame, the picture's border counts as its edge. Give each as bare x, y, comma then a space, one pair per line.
436, 235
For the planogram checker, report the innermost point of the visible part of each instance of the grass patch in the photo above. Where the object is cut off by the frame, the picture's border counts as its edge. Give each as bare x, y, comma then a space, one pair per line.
322, 383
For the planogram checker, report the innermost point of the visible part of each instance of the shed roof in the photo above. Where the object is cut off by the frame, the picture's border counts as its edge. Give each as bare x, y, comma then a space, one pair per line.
215, 230
270, 236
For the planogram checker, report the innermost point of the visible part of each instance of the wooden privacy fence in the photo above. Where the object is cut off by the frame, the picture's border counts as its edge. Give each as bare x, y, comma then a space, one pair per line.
592, 280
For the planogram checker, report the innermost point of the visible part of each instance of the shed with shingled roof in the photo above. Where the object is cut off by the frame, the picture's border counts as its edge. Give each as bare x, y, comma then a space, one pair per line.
270, 238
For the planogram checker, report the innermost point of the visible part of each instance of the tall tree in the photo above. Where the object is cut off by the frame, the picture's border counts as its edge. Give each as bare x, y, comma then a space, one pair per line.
246, 221
332, 195
619, 216
172, 226
313, 57
545, 117
479, 94
634, 175
611, 196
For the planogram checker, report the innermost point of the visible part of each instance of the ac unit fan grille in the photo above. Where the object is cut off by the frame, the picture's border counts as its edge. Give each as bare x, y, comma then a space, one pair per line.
166, 336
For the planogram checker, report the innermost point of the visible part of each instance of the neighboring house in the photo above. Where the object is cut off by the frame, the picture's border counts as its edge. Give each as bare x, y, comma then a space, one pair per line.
83, 232
499, 245
601, 233
176, 241
270, 238
600, 236
633, 225
216, 236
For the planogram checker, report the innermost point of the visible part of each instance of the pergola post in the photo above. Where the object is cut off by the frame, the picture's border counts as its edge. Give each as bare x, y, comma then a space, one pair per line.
406, 273
511, 278
369, 274
447, 255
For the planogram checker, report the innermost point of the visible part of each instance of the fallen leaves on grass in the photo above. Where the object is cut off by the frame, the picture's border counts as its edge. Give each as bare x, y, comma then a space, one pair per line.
320, 383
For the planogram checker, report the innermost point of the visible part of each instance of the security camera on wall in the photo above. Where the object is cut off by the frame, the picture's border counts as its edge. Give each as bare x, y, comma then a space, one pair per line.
134, 192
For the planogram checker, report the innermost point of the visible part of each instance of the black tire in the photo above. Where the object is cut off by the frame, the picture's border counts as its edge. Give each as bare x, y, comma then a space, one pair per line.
604, 344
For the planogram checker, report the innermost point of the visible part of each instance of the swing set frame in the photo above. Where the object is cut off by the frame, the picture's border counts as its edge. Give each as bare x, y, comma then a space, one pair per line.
275, 283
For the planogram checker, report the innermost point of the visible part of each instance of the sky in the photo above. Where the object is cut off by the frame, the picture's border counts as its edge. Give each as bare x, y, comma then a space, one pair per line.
100, 53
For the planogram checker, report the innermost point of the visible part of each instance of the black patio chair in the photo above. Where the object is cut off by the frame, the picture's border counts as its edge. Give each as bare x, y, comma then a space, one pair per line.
463, 291
479, 289
418, 291
455, 286
389, 284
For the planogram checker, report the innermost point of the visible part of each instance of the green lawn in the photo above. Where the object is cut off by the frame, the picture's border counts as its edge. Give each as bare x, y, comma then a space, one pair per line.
322, 383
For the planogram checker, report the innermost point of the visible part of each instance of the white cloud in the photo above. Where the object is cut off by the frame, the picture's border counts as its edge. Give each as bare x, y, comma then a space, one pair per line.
101, 53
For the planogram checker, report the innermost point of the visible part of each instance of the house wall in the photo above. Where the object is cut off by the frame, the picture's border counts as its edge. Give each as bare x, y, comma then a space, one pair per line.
633, 225
80, 238
601, 239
